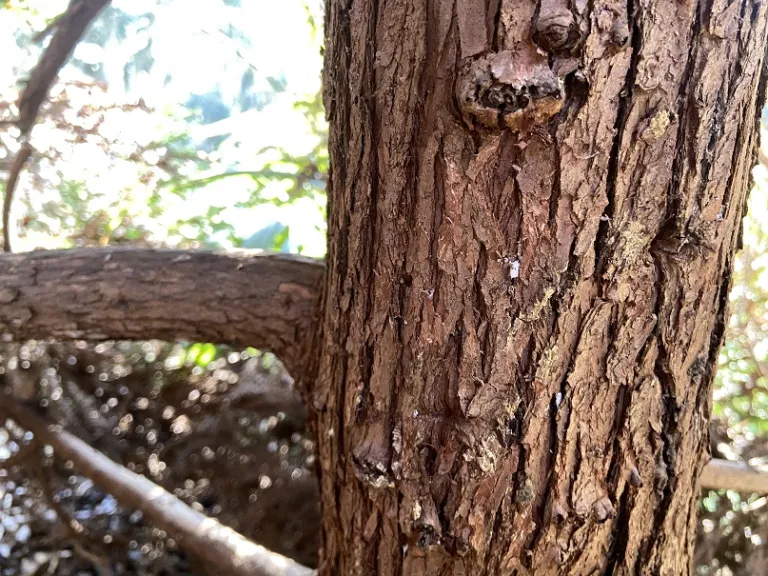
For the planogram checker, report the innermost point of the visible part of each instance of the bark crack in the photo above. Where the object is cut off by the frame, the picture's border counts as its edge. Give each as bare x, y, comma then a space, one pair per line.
602, 239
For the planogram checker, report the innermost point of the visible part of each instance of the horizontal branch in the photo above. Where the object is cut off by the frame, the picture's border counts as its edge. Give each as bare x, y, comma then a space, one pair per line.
243, 299
199, 535
738, 476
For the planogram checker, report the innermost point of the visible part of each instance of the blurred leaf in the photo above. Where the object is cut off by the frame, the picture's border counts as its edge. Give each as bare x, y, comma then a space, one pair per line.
193, 353
206, 356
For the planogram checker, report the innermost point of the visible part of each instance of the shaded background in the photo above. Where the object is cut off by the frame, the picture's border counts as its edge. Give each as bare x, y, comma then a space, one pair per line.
203, 128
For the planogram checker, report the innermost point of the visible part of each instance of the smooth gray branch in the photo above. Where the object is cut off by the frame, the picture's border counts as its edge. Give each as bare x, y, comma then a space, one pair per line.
725, 475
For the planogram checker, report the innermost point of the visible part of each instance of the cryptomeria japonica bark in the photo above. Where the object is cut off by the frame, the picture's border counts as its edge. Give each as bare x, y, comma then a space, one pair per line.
533, 211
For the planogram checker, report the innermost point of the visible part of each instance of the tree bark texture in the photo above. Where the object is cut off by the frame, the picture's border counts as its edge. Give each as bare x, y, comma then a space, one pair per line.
533, 211
264, 301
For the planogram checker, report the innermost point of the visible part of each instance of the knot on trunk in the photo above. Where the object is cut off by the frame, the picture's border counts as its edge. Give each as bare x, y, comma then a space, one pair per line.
554, 28
508, 90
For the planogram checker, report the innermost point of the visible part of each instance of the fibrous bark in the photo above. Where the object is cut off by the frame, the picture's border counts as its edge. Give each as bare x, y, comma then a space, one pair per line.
533, 211
264, 301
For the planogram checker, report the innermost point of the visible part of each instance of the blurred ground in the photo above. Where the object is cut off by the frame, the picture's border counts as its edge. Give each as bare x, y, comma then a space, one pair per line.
228, 439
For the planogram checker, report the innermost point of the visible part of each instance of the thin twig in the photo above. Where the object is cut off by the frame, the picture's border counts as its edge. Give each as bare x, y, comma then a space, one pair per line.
70, 27
10, 187
77, 535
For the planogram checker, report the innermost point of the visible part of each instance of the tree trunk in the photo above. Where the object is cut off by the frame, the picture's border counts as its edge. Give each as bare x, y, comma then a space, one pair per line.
533, 212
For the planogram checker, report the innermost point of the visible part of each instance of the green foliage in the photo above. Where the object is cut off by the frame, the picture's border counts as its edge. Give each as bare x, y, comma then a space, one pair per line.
741, 395
113, 168
281, 180
199, 354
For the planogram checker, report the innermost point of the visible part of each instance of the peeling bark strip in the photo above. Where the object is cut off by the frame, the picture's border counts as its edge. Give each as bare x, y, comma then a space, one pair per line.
527, 286
265, 301
215, 544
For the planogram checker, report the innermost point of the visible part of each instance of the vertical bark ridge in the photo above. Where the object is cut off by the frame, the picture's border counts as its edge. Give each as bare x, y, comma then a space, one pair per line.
529, 258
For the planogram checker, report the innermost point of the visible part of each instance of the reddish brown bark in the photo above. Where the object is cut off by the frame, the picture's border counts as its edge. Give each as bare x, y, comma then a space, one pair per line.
529, 261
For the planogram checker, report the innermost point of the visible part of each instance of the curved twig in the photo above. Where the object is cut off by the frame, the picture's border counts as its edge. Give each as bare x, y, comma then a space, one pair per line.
70, 27
10, 187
